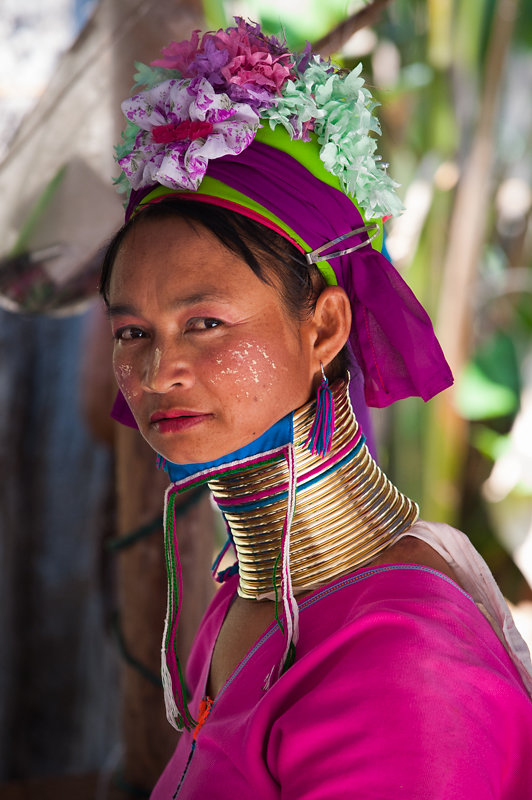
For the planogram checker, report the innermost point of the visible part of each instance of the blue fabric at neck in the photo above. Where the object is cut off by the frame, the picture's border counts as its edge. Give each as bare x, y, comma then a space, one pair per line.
276, 437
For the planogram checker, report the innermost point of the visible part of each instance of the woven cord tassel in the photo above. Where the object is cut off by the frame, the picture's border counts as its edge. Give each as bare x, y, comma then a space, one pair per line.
175, 691
290, 628
320, 436
291, 610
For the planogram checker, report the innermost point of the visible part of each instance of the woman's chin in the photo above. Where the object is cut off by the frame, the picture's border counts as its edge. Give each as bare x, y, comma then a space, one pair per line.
199, 457
202, 454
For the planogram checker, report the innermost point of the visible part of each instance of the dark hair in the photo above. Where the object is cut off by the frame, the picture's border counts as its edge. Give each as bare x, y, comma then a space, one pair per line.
272, 258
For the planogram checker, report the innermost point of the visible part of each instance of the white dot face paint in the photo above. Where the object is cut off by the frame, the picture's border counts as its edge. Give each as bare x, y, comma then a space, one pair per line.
125, 371
157, 355
205, 352
247, 365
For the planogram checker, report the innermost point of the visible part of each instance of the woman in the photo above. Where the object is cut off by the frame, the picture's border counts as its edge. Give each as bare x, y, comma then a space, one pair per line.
353, 651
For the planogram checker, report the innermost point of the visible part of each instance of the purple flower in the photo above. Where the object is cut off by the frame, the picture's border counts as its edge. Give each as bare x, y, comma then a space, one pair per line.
209, 63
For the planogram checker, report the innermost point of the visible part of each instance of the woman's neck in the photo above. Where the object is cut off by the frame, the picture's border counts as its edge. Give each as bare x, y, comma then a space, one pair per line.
346, 512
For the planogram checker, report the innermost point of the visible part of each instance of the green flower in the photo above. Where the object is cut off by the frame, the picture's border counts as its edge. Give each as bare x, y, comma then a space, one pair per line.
344, 127
127, 143
147, 77
294, 110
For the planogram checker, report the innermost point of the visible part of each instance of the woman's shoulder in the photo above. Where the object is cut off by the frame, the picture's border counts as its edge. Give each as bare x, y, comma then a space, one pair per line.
407, 586
408, 614
410, 549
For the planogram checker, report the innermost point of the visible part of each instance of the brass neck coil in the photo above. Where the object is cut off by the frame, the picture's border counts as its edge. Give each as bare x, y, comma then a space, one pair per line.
347, 511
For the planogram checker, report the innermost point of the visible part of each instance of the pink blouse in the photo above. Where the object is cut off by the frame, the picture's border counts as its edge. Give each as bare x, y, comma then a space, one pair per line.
400, 689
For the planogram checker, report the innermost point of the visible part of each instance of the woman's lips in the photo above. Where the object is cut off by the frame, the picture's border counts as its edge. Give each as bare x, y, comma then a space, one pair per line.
174, 421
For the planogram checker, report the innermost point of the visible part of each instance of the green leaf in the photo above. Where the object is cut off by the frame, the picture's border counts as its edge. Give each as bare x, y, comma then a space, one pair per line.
491, 444
490, 384
479, 397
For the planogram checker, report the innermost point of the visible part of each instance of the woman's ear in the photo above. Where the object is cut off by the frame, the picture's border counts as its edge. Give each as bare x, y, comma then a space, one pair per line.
332, 323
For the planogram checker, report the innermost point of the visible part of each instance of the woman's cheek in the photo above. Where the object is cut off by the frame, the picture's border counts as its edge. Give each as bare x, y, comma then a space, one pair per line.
126, 380
249, 369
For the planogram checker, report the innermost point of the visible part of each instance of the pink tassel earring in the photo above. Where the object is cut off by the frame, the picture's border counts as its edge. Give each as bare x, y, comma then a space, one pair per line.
320, 435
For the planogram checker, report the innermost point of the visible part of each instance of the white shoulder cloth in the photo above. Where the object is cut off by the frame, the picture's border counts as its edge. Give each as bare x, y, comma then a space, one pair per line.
475, 578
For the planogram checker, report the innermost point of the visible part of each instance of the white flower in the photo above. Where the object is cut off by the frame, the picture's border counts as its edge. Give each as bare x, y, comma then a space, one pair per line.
183, 124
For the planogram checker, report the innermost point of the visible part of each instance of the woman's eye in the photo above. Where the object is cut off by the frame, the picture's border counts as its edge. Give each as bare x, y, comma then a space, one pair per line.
129, 333
203, 323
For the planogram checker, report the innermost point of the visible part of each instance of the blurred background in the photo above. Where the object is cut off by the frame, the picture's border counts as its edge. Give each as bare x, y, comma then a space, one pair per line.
82, 593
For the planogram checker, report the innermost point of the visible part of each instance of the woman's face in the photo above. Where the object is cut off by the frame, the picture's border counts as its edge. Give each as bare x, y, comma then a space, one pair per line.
204, 351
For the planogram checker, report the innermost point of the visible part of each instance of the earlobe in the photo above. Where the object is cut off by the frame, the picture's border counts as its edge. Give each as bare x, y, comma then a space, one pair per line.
332, 323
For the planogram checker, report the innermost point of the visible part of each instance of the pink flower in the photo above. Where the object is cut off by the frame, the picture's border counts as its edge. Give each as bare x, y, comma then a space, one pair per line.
179, 55
258, 68
248, 38
264, 63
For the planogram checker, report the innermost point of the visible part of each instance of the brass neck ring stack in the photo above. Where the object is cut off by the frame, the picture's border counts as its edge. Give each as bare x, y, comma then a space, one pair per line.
347, 512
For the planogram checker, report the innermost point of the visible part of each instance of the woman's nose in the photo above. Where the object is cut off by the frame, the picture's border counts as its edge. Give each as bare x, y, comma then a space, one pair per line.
166, 367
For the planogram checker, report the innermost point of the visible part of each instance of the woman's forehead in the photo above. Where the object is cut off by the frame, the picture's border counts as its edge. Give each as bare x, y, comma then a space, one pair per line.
173, 239
187, 262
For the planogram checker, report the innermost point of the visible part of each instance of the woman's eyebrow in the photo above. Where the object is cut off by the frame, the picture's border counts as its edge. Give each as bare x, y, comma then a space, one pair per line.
118, 310
199, 297
123, 309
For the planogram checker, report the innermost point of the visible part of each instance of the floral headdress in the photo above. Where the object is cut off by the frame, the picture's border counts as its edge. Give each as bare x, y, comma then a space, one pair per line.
207, 97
